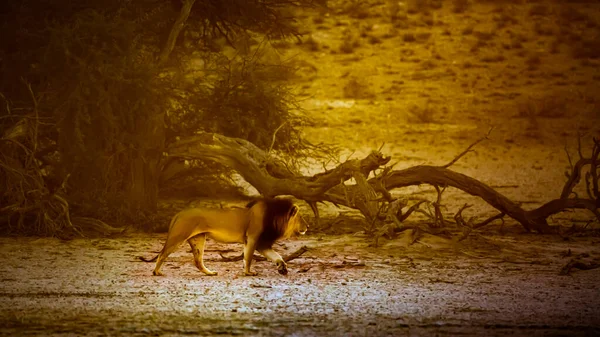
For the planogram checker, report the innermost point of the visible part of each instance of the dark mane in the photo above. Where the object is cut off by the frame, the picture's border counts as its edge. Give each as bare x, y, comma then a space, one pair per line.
274, 208
252, 203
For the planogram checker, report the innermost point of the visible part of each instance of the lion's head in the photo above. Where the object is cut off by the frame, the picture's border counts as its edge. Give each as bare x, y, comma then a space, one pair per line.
295, 223
281, 219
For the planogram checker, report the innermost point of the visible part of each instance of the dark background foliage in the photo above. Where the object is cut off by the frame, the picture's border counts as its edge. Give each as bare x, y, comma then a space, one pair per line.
100, 108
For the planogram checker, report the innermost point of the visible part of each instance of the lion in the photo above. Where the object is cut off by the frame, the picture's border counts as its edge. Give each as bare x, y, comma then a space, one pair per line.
257, 226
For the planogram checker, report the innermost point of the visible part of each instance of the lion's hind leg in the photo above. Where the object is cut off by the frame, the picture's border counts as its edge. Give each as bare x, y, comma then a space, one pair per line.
249, 248
174, 239
166, 251
197, 243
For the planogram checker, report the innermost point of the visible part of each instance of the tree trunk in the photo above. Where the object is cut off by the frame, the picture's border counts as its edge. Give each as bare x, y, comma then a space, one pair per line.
143, 190
144, 164
175, 30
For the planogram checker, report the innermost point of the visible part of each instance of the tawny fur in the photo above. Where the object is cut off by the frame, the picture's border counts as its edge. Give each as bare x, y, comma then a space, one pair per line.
258, 226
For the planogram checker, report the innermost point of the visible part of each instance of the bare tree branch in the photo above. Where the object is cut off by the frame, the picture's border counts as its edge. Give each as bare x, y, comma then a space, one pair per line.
274, 135
594, 170
469, 149
175, 31
574, 177
437, 206
499, 216
410, 211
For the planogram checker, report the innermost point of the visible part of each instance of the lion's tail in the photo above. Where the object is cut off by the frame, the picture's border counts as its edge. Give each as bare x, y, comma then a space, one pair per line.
148, 260
156, 257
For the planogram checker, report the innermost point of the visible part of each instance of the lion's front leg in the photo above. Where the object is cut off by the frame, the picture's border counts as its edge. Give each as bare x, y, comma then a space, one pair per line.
273, 256
249, 248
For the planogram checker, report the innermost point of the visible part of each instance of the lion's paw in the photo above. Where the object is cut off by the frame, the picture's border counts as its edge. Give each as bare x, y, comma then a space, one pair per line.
282, 268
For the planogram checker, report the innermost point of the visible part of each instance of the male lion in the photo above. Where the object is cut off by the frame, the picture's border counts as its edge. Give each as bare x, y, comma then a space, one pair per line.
257, 226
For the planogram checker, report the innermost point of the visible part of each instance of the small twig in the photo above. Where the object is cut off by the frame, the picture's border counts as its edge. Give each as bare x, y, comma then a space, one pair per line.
514, 261
438, 280
416, 235
410, 210
504, 186
439, 217
296, 254
350, 155
240, 258
499, 216
286, 258
35, 110
574, 263
426, 213
217, 250
472, 255
66, 214
574, 177
468, 149
588, 184
255, 285
7, 104
594, 169
379, 186
315, 210
345, 192
376, 216
275, 134
569, 158
461, 222
579, 145
458, 216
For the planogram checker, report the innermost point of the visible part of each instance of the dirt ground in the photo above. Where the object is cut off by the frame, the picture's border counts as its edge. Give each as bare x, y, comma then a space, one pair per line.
426, 86
502, 285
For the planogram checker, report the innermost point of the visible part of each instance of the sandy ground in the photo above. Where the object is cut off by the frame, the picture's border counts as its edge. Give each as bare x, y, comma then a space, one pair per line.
492, 285
426, 85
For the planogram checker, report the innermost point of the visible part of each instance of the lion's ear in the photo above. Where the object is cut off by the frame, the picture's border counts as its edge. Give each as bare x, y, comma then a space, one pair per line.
293, 211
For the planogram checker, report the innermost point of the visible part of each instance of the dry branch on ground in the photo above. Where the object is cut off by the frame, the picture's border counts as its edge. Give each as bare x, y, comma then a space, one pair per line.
294, 255
578, 263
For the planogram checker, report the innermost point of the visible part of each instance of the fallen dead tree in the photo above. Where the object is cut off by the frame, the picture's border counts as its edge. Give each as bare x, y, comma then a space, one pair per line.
269, 175
272, 177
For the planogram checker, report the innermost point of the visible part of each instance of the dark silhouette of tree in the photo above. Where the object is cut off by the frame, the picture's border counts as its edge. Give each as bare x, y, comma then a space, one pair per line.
102, 84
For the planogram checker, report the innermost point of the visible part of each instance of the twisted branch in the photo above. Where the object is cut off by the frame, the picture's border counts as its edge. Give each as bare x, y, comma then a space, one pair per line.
271, 178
